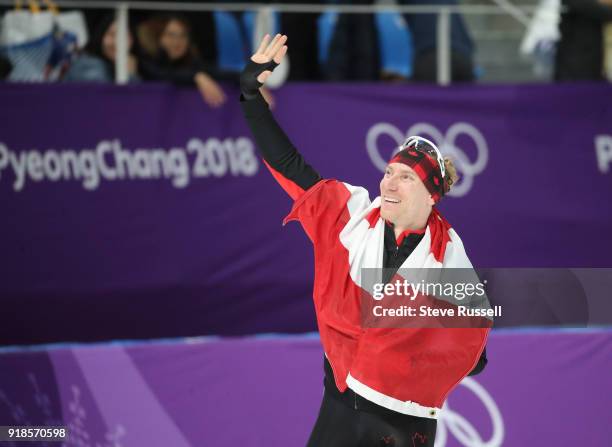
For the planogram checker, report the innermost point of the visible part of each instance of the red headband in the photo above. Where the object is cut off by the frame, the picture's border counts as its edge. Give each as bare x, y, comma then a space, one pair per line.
426, 168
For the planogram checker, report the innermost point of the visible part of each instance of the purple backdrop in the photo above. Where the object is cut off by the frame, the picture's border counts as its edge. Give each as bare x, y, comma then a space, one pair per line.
541, 388
183, 237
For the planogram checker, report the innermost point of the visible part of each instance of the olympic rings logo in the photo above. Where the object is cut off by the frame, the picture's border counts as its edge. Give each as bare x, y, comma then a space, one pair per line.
463, 431
467, 168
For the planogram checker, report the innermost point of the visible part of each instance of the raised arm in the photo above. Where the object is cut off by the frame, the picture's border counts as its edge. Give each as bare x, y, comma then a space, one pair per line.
281, 157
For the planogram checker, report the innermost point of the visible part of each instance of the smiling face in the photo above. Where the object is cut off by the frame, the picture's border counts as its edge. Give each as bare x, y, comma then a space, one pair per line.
404, 198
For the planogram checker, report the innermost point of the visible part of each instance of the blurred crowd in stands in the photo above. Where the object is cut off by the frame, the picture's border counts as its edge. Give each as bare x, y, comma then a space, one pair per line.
202, 48
584, 51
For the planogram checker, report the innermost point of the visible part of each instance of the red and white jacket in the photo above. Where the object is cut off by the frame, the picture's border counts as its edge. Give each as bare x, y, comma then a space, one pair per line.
408, 370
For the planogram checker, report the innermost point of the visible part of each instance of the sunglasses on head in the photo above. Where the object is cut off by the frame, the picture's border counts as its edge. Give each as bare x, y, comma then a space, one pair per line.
427, 147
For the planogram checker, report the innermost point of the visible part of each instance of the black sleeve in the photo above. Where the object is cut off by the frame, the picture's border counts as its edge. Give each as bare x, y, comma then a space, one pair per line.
482, 362
275, 147
5, 67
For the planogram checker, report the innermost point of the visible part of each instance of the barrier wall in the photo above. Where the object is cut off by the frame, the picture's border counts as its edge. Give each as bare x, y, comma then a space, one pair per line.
137, 211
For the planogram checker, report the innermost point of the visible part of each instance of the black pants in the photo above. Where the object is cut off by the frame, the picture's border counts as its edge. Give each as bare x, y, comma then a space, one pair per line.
340, 424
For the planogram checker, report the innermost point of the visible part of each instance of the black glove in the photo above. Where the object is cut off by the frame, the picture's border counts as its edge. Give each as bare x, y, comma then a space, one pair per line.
249, 85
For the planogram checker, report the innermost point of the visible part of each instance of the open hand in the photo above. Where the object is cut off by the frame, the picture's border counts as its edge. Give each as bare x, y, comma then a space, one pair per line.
211, 91
268, 51
266, 58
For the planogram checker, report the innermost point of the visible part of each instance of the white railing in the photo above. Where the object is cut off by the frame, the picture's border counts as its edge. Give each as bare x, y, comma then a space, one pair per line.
504, 7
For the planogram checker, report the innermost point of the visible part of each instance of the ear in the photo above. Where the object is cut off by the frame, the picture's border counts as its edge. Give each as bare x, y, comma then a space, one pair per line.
431, 201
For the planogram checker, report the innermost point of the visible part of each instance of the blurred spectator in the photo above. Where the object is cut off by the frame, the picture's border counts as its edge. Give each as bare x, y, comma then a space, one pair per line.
353, 50
580, 51
97, 63
5, 68
424, 34
302, 30
169, 54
